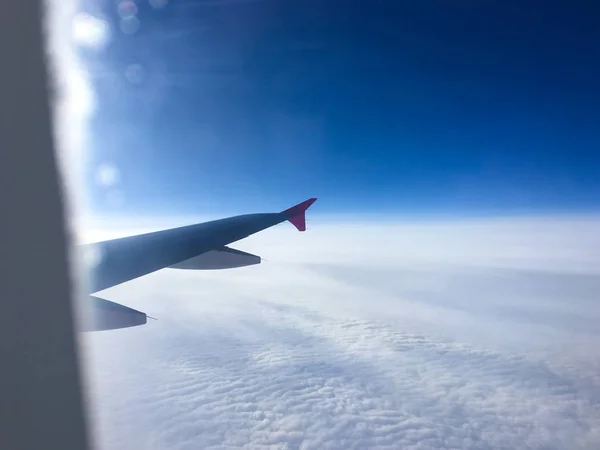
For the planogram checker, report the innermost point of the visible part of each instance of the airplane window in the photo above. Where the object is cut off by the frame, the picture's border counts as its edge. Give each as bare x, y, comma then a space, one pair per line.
334, 225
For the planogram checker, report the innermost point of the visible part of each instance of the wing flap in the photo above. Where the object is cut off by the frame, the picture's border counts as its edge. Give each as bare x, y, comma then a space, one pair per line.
224, 258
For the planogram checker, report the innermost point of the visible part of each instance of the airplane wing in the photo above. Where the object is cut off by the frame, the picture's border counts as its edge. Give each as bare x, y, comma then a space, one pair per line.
201, 246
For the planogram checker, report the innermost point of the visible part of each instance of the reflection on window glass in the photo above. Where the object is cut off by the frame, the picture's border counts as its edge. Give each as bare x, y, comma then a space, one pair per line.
444, 293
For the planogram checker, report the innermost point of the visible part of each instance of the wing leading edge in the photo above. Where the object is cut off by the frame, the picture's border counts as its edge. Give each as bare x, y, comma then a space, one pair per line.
196, 247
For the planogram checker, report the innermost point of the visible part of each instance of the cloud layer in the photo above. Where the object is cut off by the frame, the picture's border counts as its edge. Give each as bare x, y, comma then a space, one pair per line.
474, 335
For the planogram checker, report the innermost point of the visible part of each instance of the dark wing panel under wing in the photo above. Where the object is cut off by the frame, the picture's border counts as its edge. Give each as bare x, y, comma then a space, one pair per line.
224, 258
100, 314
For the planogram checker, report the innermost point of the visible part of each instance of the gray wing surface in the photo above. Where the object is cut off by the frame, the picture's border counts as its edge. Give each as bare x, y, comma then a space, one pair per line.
120, 260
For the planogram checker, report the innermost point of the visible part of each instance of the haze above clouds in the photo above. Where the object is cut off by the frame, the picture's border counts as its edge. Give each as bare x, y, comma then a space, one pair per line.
473, 334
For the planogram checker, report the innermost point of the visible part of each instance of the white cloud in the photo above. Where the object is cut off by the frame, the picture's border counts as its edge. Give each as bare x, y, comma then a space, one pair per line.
458, 335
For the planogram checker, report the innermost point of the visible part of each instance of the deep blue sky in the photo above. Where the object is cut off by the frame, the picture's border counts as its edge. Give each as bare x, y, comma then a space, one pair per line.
460, 107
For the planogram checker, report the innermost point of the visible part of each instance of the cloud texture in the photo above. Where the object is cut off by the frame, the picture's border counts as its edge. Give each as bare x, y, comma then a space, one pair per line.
477, 335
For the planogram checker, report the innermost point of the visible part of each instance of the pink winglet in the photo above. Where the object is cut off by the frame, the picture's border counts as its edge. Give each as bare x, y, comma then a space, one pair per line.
297, 214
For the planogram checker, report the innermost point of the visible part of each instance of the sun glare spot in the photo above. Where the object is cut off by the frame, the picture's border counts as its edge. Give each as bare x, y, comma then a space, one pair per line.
130, 25
127, 9
107, 175
135, 73
92, 256
157, 4
90, 31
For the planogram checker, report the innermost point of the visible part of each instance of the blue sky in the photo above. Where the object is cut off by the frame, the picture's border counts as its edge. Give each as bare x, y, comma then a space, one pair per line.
461, 108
